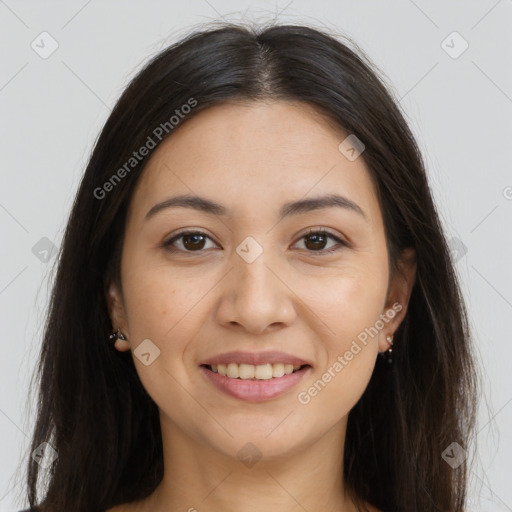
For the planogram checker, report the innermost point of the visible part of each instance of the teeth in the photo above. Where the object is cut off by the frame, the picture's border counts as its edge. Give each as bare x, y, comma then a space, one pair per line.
233, 371
246, 371
263, 371
249, 371
277, 370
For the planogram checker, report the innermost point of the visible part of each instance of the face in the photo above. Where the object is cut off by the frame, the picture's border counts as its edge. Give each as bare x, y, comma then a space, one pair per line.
256, 282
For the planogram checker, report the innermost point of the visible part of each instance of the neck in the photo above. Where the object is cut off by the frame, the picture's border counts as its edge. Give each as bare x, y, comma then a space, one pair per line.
199, 478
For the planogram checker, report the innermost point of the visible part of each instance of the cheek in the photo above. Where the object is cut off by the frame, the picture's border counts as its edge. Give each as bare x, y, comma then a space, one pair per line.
350, 311
348, 301
152, 303
349, 304
166, 306
165, 309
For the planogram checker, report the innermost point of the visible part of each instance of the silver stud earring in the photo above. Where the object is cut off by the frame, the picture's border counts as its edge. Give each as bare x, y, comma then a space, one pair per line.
389, 351
117, 334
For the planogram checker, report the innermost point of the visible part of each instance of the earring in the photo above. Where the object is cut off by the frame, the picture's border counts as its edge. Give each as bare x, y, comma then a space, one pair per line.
389, 352
117, 334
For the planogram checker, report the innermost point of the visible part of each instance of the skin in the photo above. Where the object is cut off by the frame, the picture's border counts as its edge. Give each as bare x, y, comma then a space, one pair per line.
252, 158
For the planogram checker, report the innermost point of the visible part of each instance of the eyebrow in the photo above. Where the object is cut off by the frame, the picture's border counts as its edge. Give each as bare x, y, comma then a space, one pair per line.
292, 208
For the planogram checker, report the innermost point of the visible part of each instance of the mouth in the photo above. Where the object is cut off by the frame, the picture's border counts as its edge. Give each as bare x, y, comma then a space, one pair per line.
254, 383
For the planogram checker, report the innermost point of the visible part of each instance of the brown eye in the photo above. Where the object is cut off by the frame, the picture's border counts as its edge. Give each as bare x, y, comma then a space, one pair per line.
195, 241
190, 241
316, 241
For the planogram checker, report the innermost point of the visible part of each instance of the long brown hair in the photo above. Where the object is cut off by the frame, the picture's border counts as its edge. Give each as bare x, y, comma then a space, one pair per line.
92, 407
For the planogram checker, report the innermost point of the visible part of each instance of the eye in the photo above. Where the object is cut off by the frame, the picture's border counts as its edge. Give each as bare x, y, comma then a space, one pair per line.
190, 241
194, 241
316, 240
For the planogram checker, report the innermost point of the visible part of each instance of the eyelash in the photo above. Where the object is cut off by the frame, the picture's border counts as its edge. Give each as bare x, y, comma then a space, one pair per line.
168, 243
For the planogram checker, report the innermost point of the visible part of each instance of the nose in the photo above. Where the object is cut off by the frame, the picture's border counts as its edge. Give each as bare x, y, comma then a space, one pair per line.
255, 296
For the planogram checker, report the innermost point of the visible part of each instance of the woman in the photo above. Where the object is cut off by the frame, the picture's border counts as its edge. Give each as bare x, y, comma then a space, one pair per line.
254, 228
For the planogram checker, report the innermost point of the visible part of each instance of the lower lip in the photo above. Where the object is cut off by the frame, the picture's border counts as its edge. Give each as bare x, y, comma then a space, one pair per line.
255, 390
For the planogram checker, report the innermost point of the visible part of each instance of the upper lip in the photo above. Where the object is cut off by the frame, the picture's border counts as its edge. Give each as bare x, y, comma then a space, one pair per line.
255, 358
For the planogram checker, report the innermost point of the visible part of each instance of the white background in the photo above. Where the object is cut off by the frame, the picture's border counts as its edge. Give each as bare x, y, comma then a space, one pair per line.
460, 109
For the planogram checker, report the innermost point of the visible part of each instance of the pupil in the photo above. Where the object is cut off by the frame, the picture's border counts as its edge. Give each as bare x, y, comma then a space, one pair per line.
319, 239
195, 241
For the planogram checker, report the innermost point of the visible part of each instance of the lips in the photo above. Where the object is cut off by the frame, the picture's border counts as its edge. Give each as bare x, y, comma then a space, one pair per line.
255, 390
255, 377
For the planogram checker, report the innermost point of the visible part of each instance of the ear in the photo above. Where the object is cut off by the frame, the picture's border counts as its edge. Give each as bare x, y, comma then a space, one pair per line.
117, 315
399, 293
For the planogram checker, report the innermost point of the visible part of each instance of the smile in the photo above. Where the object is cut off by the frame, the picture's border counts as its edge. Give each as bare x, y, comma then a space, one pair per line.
254, 383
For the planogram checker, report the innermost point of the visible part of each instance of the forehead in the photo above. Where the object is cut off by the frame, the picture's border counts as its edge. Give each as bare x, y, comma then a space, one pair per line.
254, 157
